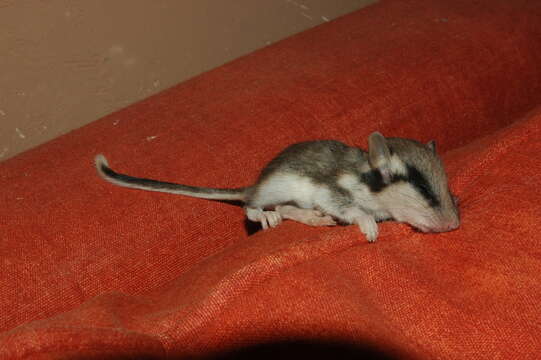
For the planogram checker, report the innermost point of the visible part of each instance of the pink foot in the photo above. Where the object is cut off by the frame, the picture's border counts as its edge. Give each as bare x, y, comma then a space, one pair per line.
306, 216
266, 218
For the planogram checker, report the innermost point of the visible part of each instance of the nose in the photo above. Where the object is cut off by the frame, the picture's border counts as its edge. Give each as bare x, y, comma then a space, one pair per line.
450, 225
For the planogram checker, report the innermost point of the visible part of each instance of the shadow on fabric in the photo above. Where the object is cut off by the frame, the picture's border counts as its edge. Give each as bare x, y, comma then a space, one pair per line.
300, 349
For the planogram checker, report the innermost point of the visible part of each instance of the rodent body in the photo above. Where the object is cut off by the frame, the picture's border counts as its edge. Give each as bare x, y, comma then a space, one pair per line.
321, 182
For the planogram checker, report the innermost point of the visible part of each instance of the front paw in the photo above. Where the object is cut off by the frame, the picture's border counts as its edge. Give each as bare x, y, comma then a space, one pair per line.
368, 227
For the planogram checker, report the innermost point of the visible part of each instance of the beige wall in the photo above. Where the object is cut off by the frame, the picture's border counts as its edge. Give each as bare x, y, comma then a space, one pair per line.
65, 63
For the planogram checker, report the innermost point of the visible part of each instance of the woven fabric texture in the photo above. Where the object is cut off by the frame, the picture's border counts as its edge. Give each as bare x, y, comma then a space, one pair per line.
90, 270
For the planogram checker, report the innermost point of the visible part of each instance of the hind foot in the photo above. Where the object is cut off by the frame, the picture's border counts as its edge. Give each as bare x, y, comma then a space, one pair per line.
266, 218
306, 216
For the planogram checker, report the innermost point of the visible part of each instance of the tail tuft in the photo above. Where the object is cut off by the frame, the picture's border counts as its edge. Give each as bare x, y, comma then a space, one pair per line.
102, 166
100, 160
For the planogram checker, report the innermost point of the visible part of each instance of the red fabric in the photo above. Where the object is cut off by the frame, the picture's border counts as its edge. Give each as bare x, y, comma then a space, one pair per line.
93, 270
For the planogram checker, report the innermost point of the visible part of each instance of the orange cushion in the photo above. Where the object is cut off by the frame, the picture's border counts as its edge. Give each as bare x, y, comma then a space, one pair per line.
90, 269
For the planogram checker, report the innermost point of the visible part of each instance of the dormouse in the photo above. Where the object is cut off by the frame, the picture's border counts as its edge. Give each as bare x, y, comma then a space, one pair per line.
322, 182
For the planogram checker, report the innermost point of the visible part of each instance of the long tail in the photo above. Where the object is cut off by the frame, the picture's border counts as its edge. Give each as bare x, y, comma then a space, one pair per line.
154, 185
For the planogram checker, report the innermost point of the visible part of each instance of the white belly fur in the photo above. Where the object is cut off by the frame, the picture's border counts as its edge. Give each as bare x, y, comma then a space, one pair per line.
283, 188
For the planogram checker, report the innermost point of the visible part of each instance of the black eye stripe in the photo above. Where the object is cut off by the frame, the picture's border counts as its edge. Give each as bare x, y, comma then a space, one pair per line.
421, 183
374, 181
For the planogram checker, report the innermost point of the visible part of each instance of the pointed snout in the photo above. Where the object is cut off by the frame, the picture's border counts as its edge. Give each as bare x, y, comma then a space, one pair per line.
447, 225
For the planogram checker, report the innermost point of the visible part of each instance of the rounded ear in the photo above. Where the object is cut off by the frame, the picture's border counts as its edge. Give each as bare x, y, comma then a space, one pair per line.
432, 145
379, 155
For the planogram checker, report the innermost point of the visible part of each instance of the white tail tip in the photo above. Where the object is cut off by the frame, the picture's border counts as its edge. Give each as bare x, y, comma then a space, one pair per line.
100, 160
